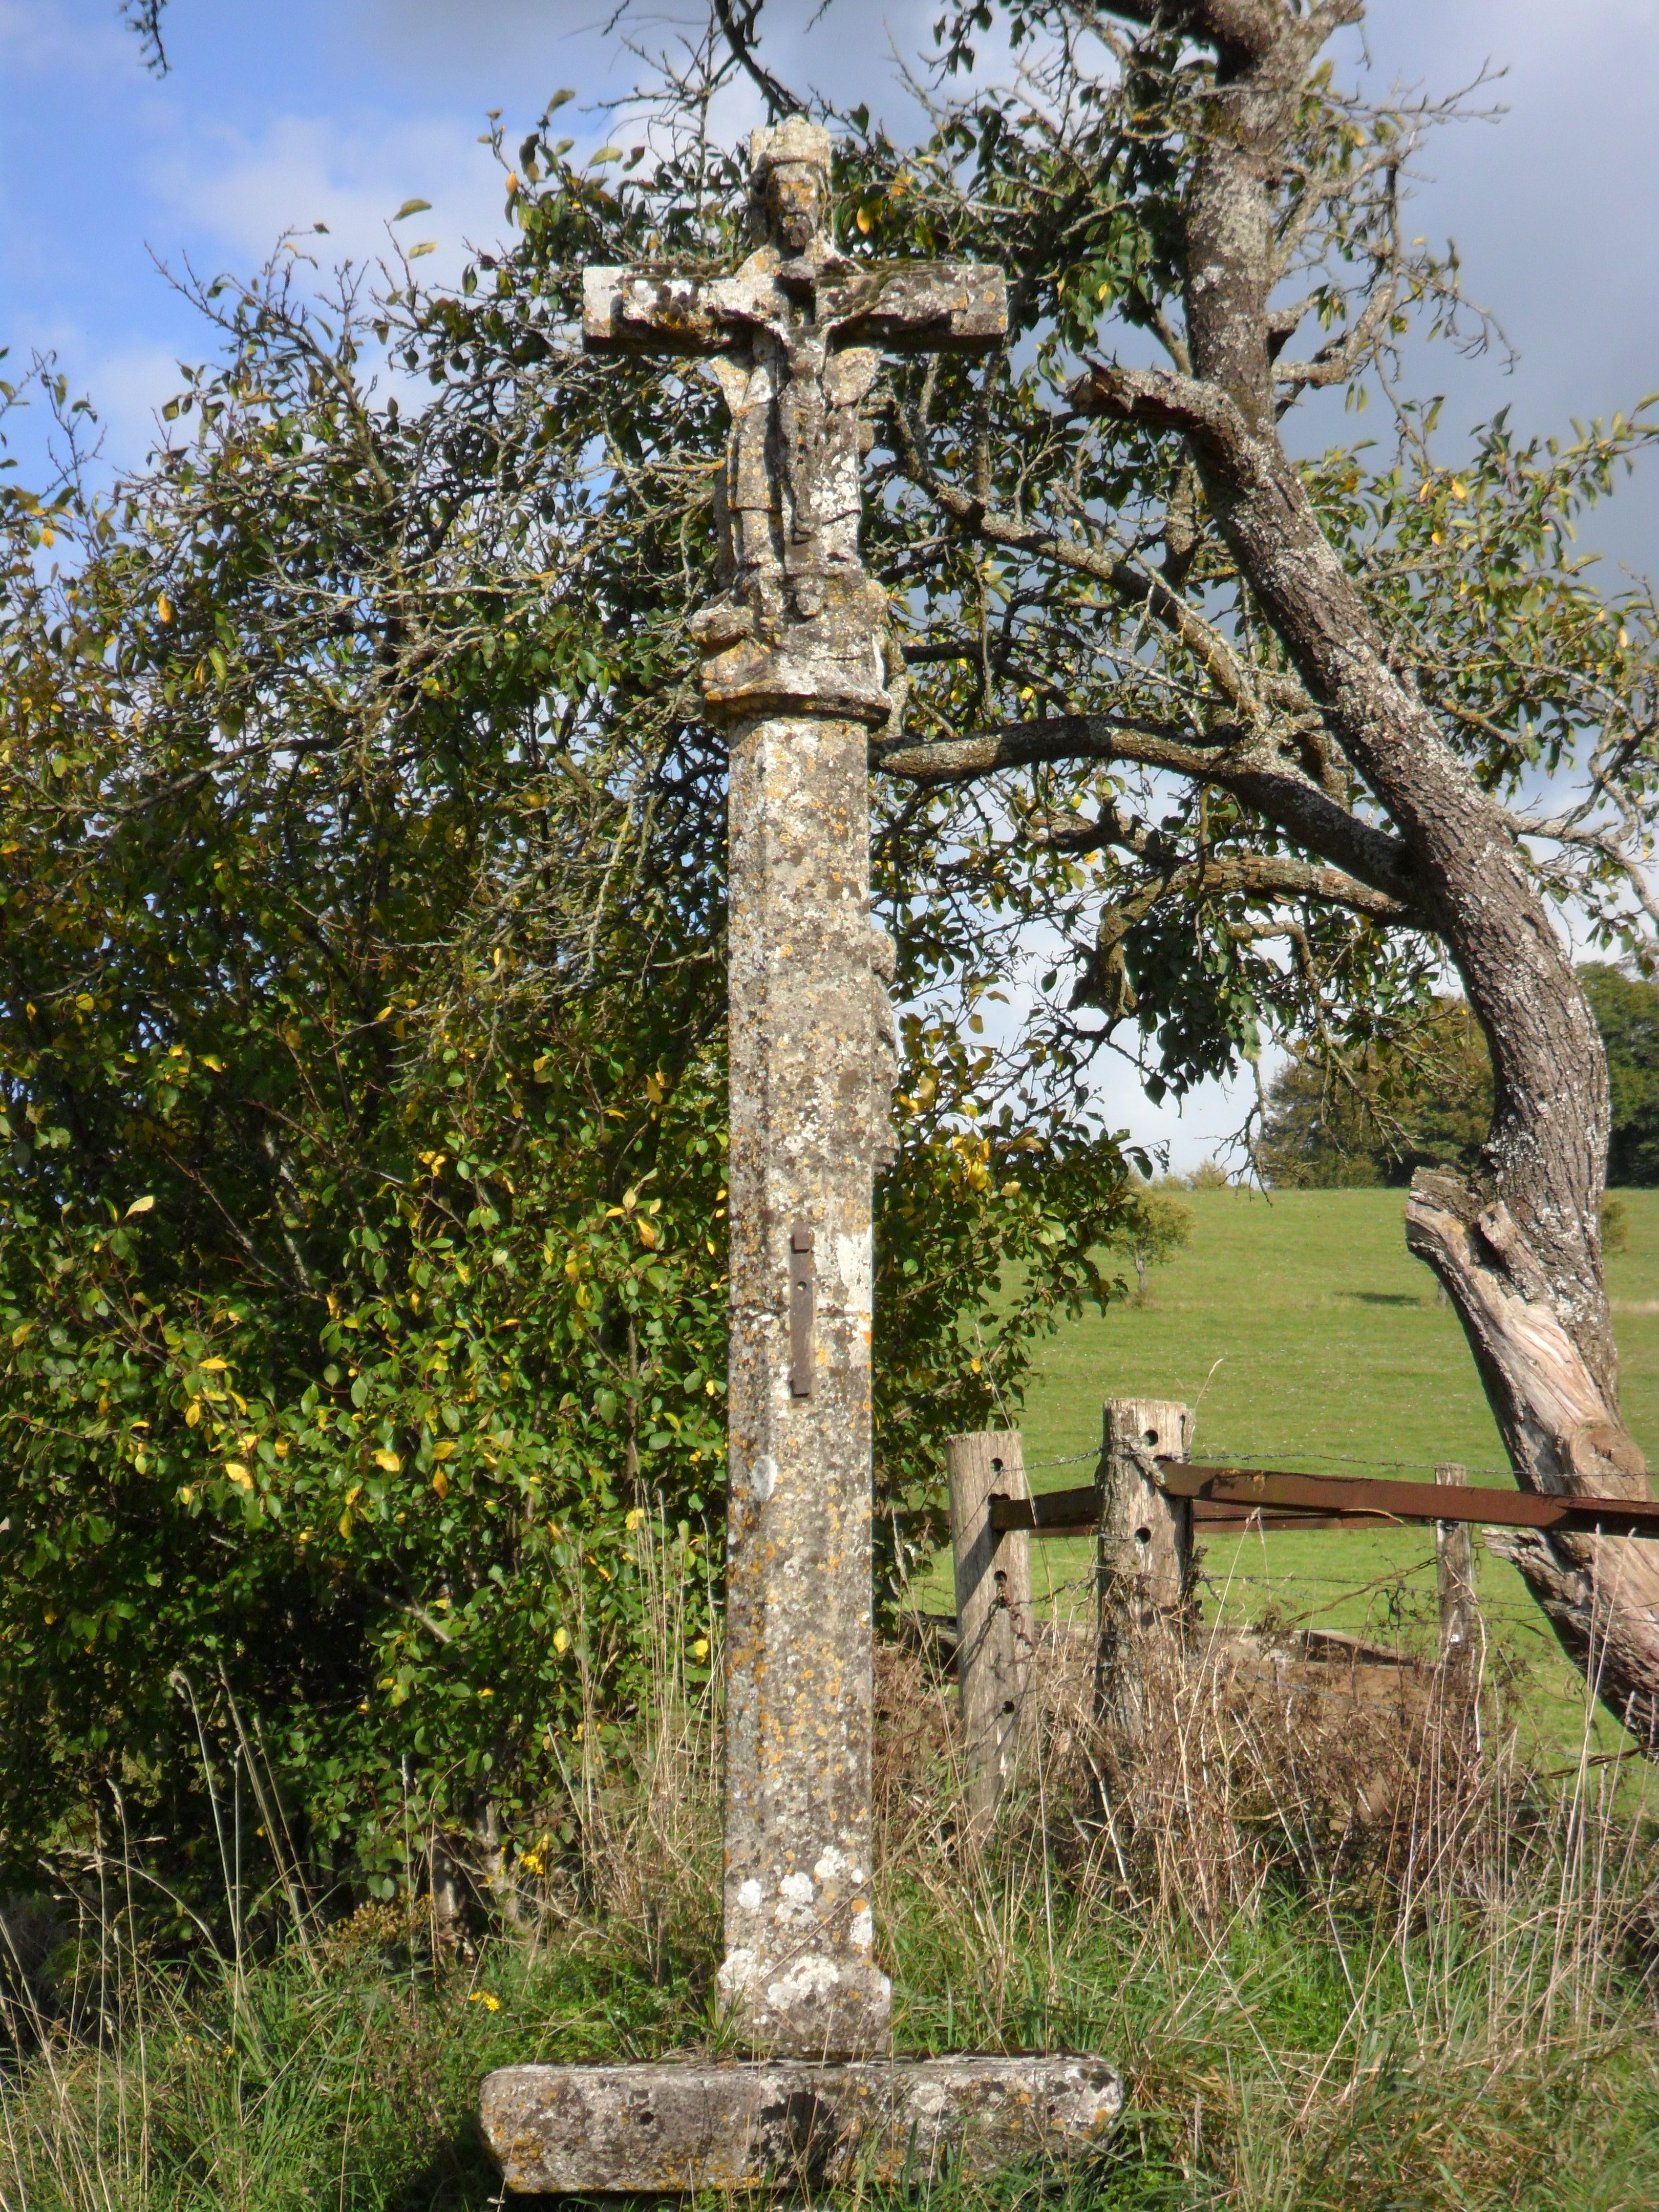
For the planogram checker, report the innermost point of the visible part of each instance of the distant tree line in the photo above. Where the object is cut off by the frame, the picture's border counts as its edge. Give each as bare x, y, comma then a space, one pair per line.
1424, 1099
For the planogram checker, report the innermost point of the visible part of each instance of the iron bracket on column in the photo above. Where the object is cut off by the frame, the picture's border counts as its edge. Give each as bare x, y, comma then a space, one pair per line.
803, 1303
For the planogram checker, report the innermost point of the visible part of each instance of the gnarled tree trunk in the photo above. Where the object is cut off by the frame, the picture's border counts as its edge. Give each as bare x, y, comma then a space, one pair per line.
1520, 1255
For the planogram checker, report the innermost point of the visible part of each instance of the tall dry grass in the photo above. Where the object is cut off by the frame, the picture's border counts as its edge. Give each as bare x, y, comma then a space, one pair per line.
1349, 1950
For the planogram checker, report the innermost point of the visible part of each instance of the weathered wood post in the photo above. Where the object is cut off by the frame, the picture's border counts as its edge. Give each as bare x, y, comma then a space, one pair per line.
1145, 1566
794, 669
994, 1611
1454, 1570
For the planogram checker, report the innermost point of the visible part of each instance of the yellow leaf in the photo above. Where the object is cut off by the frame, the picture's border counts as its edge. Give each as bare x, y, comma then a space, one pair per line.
389, 1461
345, 1522
864, 221
647, 1235
192, 1413
164, 609
84, 1002
561, 1641
21, 1331
635, 1519
211, 1366
425, 246
139, 1206
209, 1060
440, 1483
238, 1473
411, 207
446, 1450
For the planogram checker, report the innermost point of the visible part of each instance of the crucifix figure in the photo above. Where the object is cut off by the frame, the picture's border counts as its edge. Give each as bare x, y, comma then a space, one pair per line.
794, 660
793, 668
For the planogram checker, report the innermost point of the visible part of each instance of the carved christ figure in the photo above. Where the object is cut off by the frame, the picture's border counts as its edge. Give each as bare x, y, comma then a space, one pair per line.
794, 336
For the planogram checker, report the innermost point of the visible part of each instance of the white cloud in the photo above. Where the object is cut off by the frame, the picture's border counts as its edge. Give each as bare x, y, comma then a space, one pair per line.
1189, 1130
239, 191
36, 36
129, 385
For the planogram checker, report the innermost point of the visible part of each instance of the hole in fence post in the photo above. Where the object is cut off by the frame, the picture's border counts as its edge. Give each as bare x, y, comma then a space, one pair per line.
996, 1467
1142, 1535
1149, 1437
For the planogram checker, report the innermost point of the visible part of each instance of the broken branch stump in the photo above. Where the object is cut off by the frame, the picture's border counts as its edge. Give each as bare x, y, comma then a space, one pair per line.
994, 1611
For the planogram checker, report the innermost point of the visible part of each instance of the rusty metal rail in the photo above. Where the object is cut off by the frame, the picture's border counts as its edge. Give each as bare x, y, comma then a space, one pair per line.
1228, 1499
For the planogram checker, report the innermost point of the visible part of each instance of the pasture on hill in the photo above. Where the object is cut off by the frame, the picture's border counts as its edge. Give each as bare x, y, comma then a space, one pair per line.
1308, 1338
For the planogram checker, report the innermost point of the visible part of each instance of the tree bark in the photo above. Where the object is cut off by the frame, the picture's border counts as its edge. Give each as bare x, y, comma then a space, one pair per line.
1520, 1255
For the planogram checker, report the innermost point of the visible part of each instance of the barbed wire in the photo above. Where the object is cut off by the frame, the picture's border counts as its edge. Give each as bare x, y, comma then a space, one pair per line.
1351, 1459
1283, 1451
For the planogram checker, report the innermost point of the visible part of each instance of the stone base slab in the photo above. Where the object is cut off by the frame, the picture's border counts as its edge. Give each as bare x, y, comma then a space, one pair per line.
672, 2128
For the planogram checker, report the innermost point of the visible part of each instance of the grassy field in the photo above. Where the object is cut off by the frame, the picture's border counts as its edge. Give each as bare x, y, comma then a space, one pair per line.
1307, 1337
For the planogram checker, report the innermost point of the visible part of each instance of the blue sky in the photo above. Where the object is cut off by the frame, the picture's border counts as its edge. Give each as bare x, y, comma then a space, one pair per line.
281, 113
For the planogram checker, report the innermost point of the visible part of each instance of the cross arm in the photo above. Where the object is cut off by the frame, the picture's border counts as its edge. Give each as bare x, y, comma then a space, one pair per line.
917, 306
908, 307
654, 311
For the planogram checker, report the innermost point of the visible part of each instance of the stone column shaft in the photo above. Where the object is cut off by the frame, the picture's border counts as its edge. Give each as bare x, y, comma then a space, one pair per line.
799, 1970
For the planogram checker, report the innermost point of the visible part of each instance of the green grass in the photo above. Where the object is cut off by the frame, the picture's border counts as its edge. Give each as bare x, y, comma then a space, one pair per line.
1449, 2011
1461, 2029
1308, 1338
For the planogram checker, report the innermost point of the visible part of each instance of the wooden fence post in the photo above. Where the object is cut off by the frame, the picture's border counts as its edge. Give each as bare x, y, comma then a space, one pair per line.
993, 1610
1144, 1561
1454, 1568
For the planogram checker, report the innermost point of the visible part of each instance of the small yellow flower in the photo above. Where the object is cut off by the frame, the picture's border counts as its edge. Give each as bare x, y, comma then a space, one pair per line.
483, 1998
700, 1648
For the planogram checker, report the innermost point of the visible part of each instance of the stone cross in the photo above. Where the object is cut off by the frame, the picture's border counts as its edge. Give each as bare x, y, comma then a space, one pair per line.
793, 666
